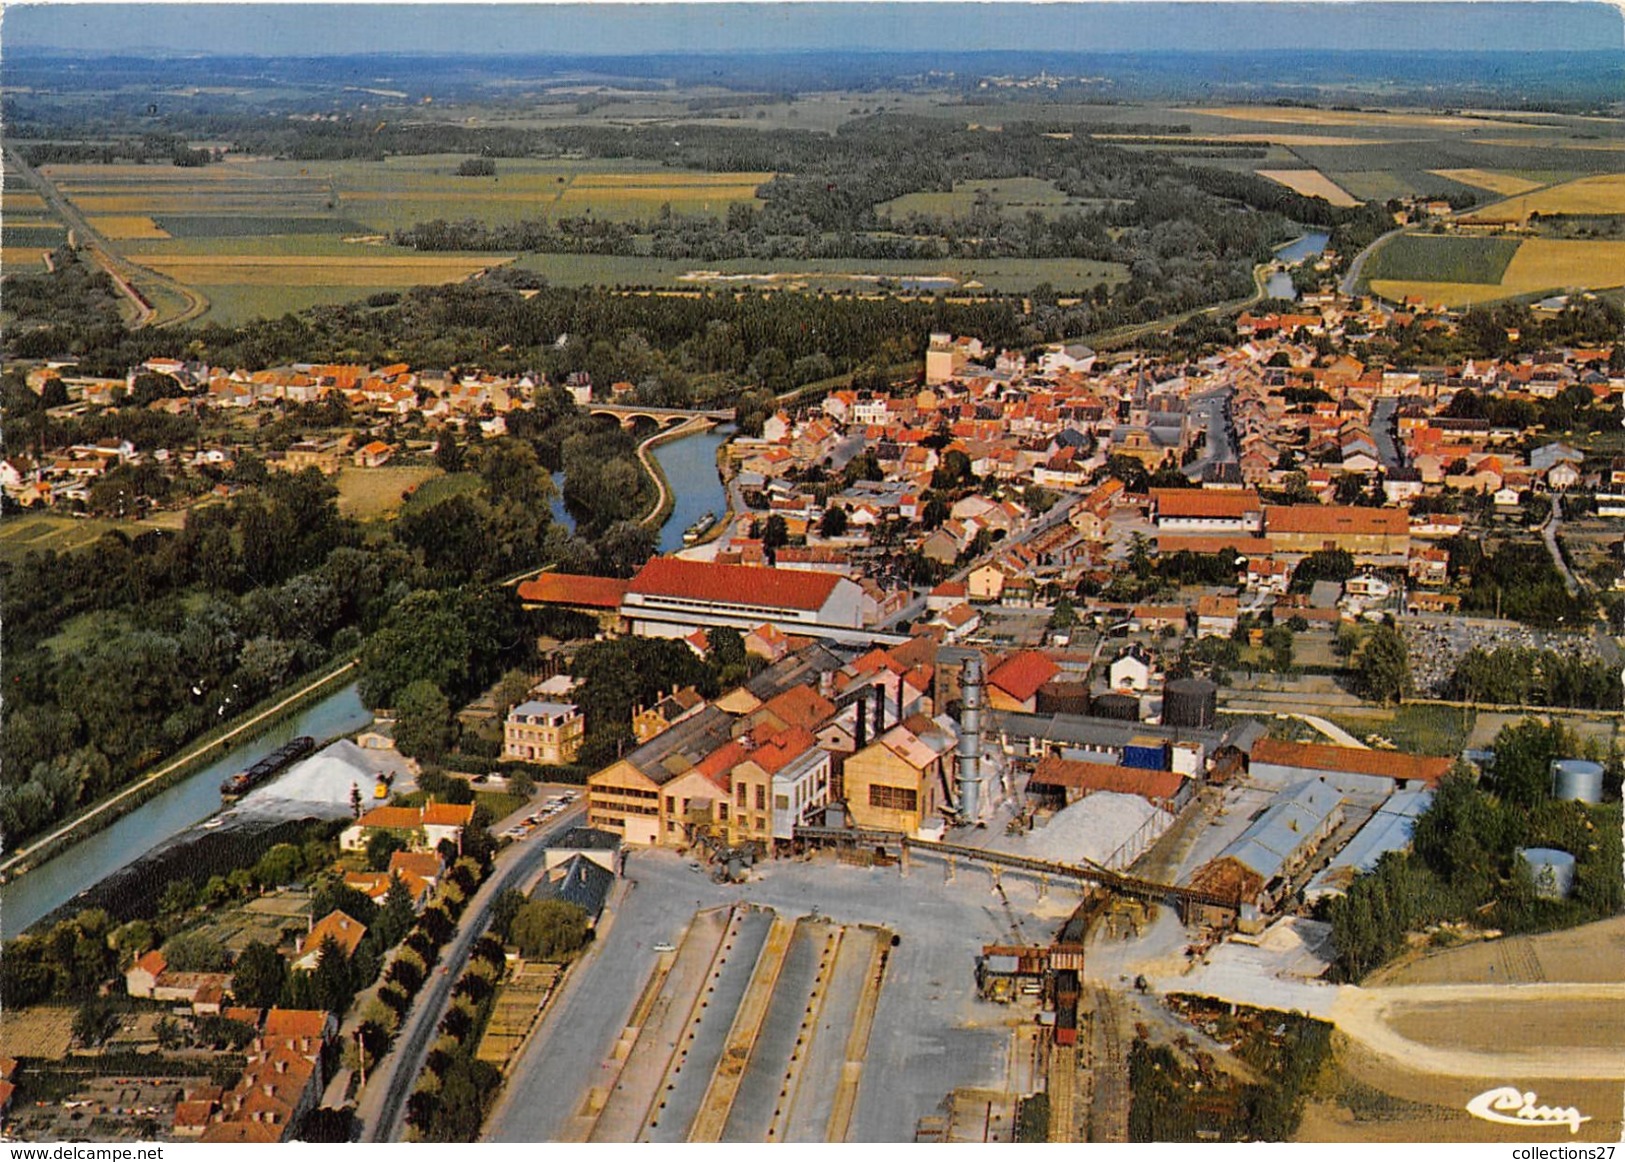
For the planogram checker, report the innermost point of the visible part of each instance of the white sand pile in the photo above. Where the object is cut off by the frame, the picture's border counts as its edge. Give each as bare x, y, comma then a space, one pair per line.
325, 778
1095, 828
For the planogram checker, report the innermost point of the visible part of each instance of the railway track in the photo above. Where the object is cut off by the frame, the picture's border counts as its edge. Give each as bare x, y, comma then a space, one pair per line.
1108, 1113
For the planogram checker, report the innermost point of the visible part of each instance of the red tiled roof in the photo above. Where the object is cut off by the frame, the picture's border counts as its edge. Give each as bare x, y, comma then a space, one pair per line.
1332, 520
448, 814
704, 581
1020, 675
400, 818
347, 932
574, 589
1157, 786
153, 962
1352, 760
423, 864
1211, 503
773, 755
800, 706
295, 1023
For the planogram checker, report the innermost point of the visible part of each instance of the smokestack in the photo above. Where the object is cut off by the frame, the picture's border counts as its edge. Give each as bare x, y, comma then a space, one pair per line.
880, 709
970, 737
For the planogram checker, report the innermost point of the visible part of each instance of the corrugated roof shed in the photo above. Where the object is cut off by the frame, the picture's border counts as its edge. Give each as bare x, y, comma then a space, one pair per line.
1387, 830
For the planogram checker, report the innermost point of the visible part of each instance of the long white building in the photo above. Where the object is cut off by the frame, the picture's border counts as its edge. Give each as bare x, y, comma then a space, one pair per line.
671, 597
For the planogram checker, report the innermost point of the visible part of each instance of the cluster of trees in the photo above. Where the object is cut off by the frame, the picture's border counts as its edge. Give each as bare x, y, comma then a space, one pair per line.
623, 673
1524, 676
456, 1089
1463, 866
1515, 579
1171, 1104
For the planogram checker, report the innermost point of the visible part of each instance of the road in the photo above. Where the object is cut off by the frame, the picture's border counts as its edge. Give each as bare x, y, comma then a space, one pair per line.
383, 1105
1382, 431
121, 270
1352, 278
190, 755
1220, 448
1548, 533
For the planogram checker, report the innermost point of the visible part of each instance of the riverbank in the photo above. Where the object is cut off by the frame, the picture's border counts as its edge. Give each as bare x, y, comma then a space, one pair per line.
199, 753
665, 499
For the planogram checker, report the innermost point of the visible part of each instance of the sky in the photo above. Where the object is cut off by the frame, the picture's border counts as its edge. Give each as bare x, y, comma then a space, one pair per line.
918, 25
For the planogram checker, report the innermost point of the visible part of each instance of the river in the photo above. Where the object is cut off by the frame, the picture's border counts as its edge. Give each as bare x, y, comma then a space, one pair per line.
1279, 285
170, 819
37, 893
690, 465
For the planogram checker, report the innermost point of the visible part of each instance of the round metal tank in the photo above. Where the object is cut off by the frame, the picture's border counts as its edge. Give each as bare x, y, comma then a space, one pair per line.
1190, 702
1551, 869
1122, 707
1579, 779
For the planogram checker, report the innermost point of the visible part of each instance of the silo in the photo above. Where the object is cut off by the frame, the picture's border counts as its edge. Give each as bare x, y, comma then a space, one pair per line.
1578, 779
1121, 707
1551, 869
1191, 703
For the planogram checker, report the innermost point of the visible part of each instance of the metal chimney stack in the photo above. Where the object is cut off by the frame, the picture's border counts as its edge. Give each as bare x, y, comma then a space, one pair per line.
970, 737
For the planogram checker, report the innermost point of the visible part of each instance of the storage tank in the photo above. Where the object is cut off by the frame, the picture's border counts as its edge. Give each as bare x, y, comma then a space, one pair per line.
1146, 754
1191, 703
1551, 869
1578, 779
1063, 698
1120, 707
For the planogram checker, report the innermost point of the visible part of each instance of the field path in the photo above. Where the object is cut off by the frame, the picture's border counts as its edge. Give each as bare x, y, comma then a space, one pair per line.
120, 269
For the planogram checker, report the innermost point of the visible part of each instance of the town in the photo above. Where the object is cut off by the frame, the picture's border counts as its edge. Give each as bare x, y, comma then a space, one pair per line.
1013, 574
1058, 622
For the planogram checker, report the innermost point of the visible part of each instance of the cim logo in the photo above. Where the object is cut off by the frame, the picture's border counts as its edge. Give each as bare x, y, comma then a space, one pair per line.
1510, 1106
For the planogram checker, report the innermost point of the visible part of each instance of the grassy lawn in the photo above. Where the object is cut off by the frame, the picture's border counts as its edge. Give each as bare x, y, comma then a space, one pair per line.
39, 532
373, 493
1438, 258
1429, 730
440, 486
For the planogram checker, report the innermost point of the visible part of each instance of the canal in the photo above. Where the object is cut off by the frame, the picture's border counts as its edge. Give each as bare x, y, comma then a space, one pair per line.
1279, 285
37, 893
690, 465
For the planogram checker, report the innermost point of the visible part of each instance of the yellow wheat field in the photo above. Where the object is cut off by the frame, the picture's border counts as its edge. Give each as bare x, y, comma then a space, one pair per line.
1311, 183
122, 227
276, 270
1484, 179
1438, 294
15, 201
1598, 194
23, 258
1555, 264
1290, 115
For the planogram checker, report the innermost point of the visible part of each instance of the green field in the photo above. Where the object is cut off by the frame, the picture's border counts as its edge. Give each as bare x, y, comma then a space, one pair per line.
438, 488
39, 532
1009, 195
15, 234
1435, 258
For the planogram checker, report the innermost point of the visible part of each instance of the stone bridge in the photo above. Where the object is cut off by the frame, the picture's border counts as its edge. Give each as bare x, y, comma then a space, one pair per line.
628, 414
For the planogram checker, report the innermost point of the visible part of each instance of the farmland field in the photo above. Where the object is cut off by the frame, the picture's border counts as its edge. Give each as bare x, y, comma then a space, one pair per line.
1539, 265
1009, 195
37, 532
1550, 264
1311, 183
19, 257
369, 493
123, 226
1598, 194
1497, 183
1428, 257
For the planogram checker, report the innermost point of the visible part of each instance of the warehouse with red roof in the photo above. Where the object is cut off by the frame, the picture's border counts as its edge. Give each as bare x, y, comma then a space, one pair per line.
671, 597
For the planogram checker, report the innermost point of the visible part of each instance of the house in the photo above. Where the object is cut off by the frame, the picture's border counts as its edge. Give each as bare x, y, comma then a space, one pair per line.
544, 732
580, 881
651, 720
765, 641
151, 977
1013, 684
344, 930
986, 582
1364, 532
602, 847
1216, 616
426, 826
373, 455
1131, 670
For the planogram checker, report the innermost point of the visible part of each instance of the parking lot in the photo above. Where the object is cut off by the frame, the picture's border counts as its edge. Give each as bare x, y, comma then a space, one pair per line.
555, 803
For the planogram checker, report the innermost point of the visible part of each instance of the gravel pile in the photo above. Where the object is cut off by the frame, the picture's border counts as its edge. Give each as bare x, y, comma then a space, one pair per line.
323, 781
